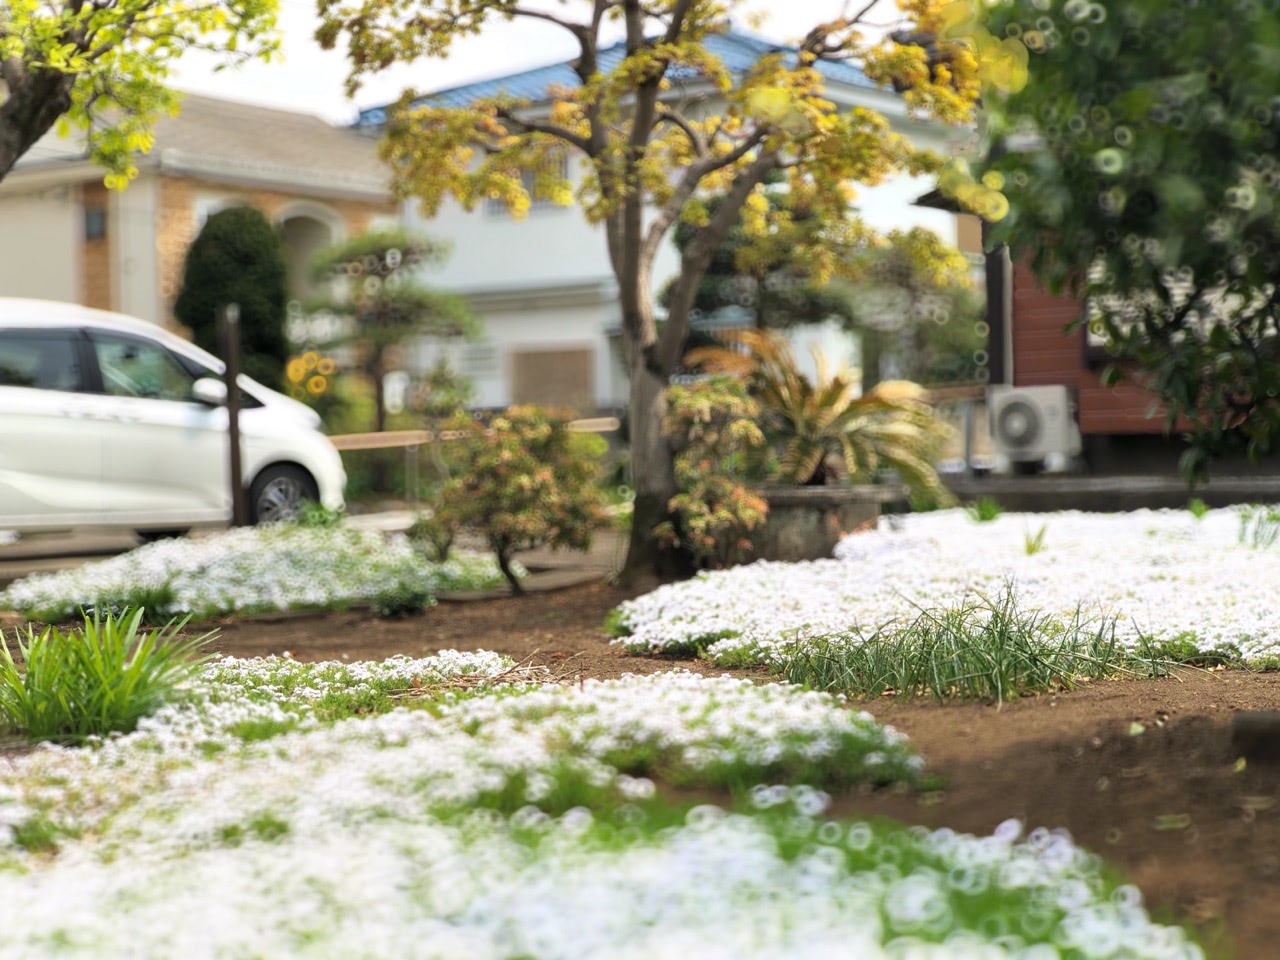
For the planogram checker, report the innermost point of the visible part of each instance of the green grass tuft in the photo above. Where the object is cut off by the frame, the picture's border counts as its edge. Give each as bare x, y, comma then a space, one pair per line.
615, 625
1197, 507
983, 510
1259, 525
983, 648
93, 680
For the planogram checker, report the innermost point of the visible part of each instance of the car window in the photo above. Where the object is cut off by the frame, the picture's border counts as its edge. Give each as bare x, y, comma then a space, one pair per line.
44, 359
137, 368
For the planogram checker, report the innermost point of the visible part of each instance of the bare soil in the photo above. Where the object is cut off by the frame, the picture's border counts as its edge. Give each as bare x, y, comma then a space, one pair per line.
1171, 807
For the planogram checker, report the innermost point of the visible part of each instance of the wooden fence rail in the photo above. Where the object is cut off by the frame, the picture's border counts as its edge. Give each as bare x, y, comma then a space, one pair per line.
416, 438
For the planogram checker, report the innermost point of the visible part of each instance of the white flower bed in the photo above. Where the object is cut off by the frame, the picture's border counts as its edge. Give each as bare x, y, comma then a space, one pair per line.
1162, 574
445, 759
371, 838
275, 567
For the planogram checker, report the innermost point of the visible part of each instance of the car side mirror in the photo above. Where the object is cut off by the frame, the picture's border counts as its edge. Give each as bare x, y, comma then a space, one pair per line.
209, 391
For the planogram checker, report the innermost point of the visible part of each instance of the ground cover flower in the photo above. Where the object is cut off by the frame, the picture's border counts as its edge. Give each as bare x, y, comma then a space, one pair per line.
273, 567
1168, 576
454, 827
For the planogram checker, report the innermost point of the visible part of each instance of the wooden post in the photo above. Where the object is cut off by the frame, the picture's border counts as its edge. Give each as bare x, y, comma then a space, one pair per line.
229, 331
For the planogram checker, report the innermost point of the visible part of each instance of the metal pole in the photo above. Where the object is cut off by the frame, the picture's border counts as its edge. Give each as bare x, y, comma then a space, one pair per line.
229, 330
966, 407
411, 472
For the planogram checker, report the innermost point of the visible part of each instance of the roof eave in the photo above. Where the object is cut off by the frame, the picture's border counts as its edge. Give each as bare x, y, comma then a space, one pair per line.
295, 180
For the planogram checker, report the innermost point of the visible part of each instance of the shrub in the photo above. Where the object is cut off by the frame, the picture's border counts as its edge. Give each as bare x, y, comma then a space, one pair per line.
91, 681
238, 258
385, 305
825, 424
714, 421
525, 481
433, 536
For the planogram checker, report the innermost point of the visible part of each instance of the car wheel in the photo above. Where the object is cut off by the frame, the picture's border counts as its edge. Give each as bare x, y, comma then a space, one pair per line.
277, 493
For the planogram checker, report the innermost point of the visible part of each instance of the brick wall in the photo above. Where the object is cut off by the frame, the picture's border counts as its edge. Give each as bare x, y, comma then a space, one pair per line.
177, 228
1043, 354
95, 252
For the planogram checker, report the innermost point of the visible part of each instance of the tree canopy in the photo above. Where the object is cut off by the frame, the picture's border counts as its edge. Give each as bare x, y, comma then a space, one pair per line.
657, 123
1140, 165
917, 312
101, 66
758, 276
377, 293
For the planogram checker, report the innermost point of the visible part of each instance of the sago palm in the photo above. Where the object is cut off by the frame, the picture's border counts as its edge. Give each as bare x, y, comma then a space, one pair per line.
891, 427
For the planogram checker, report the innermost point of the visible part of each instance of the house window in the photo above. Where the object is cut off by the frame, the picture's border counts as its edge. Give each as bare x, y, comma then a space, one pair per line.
95, 223
478, 360
497, 207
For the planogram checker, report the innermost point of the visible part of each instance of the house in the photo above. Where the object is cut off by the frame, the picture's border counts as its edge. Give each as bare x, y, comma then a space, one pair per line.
543, 286
1034, 358
69, 238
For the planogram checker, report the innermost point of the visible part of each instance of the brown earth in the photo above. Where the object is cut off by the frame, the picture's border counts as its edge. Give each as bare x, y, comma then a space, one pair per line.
1171, 806
1141, 772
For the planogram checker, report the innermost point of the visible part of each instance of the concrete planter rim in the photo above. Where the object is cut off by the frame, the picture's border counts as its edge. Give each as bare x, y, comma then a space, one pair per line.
790, 493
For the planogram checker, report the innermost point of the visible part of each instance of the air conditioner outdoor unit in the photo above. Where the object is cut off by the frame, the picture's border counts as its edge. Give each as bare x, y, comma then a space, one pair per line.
1033, 425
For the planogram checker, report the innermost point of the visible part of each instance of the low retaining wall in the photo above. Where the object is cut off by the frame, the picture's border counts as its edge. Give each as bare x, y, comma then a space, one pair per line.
805, 523
1111, 494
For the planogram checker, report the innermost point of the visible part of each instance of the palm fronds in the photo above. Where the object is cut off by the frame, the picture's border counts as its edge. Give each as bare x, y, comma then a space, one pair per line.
890, 428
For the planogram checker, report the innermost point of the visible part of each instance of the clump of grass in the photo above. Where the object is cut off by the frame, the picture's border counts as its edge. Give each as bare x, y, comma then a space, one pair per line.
1197, 507
93, 680
312, 514
983, 510
1189, 649
983, 648
1033, 543
403, 598
615, 624
1259, 525
156, 600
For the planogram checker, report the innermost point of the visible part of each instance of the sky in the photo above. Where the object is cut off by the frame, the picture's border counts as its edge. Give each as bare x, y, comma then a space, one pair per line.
310, 79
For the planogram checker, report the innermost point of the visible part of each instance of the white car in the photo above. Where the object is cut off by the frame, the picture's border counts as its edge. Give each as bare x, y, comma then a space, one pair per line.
109, 420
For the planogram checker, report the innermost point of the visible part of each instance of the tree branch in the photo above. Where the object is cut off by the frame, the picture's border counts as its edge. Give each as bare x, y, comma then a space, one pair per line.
675, 29
574, 28
677, 119
688, 185
549, 129
696, 257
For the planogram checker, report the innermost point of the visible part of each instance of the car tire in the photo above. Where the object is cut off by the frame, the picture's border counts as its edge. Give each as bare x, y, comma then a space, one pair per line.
277, 493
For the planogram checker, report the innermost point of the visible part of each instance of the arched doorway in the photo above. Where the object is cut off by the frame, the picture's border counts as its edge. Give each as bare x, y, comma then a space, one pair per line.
304, 232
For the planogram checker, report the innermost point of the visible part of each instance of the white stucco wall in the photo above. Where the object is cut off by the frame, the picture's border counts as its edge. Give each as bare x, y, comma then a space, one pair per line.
488, 362
45, 230
133, 216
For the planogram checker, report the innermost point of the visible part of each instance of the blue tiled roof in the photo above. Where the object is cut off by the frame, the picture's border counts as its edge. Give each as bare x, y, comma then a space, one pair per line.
739, 52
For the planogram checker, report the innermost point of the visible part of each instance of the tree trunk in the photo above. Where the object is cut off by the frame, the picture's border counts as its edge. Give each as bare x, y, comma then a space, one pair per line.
34, 103
504, 564
379, 475
653, 476
872, 348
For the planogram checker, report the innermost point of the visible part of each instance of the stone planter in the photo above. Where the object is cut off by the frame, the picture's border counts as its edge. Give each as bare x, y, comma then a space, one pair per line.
805, 523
